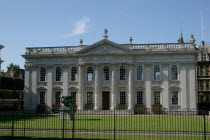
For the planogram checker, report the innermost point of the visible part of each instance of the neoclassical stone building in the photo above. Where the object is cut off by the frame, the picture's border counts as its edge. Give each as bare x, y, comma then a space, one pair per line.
107, 74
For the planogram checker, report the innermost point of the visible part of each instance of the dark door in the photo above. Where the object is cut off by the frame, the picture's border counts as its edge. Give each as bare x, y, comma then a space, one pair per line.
105, 100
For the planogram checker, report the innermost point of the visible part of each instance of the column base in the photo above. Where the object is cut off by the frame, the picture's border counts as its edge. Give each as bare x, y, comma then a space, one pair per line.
113, 108
80, 108
130, 108
96, 108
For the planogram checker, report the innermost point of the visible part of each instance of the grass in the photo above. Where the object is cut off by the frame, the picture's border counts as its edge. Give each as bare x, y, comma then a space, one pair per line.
91, 122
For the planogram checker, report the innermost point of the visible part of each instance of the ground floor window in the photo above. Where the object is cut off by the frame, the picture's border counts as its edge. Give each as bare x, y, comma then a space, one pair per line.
174, 98
89, 97
139, 97
156, 97
122, 97
74, 97
42, 98
57, 97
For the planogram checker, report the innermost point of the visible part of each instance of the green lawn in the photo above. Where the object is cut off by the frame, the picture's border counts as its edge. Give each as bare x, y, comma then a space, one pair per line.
135, 122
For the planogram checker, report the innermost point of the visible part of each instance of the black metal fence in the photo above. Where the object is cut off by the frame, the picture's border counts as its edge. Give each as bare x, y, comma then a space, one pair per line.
146, 124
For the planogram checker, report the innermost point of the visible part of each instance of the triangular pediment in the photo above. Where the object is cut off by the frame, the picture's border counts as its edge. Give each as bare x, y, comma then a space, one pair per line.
104, 47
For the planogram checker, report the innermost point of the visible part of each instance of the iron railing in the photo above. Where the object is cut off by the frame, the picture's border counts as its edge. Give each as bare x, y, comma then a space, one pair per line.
145, 124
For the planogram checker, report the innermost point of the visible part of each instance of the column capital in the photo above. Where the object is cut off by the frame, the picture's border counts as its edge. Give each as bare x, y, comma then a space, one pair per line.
148, 64
65, 65
113, 66
49, 66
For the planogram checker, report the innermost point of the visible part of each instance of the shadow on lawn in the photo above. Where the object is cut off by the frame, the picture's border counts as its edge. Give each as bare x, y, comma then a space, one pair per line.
26, 138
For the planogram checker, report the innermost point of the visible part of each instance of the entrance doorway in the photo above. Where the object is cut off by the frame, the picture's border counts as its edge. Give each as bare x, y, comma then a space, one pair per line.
105, 100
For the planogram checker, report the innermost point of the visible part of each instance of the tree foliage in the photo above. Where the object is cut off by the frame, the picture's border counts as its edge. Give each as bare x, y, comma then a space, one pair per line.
15, 68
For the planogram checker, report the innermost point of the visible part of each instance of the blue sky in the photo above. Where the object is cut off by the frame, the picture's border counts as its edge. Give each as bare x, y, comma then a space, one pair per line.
37, 23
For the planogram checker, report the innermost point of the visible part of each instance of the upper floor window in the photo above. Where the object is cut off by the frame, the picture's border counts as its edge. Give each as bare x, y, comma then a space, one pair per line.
174, 72
122, 73
42, 74
73, 74
90, 74
58, 74
106, 73
139, 73
156, 72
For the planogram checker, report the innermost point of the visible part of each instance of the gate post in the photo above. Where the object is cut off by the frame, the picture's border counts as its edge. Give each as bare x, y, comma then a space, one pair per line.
204, 125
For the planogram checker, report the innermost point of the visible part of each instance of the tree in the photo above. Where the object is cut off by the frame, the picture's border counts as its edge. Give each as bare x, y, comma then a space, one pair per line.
14, 70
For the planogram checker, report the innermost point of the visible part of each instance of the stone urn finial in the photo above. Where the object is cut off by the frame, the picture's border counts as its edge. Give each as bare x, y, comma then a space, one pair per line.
81, 41
130, 40
192, 39
105, 34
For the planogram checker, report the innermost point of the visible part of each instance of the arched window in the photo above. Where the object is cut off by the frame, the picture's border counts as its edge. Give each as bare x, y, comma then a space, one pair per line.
156, 72
90, 74
58, 74
139, 73
174, 72
106, 73
73, 74
122, 73
42, 74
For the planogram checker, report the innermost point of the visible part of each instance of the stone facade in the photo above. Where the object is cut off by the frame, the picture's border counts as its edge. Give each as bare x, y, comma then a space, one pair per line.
107, 75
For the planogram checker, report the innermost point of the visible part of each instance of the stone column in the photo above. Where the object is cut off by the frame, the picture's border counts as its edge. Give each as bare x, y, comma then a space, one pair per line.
81, 87
27, 94
130, 87
97, 87
49, 94
148, 84
34, 87
192, 87
113, 88
166, 91
183, 84
65, 80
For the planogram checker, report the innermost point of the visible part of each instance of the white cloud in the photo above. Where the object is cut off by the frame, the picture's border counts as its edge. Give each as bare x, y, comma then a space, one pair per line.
80, 27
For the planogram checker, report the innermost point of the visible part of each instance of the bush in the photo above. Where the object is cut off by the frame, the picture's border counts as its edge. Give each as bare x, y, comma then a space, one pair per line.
55, 108
139, 109
157, 108
88, 106
74, 106
40, 108
122, 106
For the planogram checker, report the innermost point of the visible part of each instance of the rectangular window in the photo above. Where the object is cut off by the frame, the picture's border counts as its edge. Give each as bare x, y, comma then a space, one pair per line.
122, 97
156, 97
139, 97
89, 97
174, 98
42, 98
57, 97
74, 97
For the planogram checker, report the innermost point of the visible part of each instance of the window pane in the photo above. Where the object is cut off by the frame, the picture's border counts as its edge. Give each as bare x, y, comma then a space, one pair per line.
174, 72
42, 97
73, 73
57, 97
122, 73
139, 73
140, 97
122, 97
90, 74
58, 74
156, 97
89, 97
174, 98
106, 73
156, 73
42, 74
74, 97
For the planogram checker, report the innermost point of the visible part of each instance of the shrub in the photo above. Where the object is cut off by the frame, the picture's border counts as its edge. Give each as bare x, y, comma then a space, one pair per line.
41, 108
122, 106
74, 106
139, 109
55, 108
157, 108
88, 106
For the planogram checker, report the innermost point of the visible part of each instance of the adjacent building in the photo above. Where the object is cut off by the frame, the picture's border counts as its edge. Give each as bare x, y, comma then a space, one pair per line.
107, 75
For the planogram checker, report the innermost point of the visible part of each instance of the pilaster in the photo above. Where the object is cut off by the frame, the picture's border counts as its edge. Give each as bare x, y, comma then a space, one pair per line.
130, 87
49, 94
65, 80
97, 87
148, 85
113, 88
192, 91
183, 83
166, 91
81, 87
27, 90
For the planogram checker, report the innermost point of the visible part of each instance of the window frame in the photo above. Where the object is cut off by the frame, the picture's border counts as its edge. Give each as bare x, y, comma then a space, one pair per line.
56, 97
89, 97
139, 97
106, 73
73, 94
156, 70
174, 99
174, 73
139, 73
89, 71
123, 98
42, 96
156, 99
42, 74
74, 74
58, 74
122, 73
